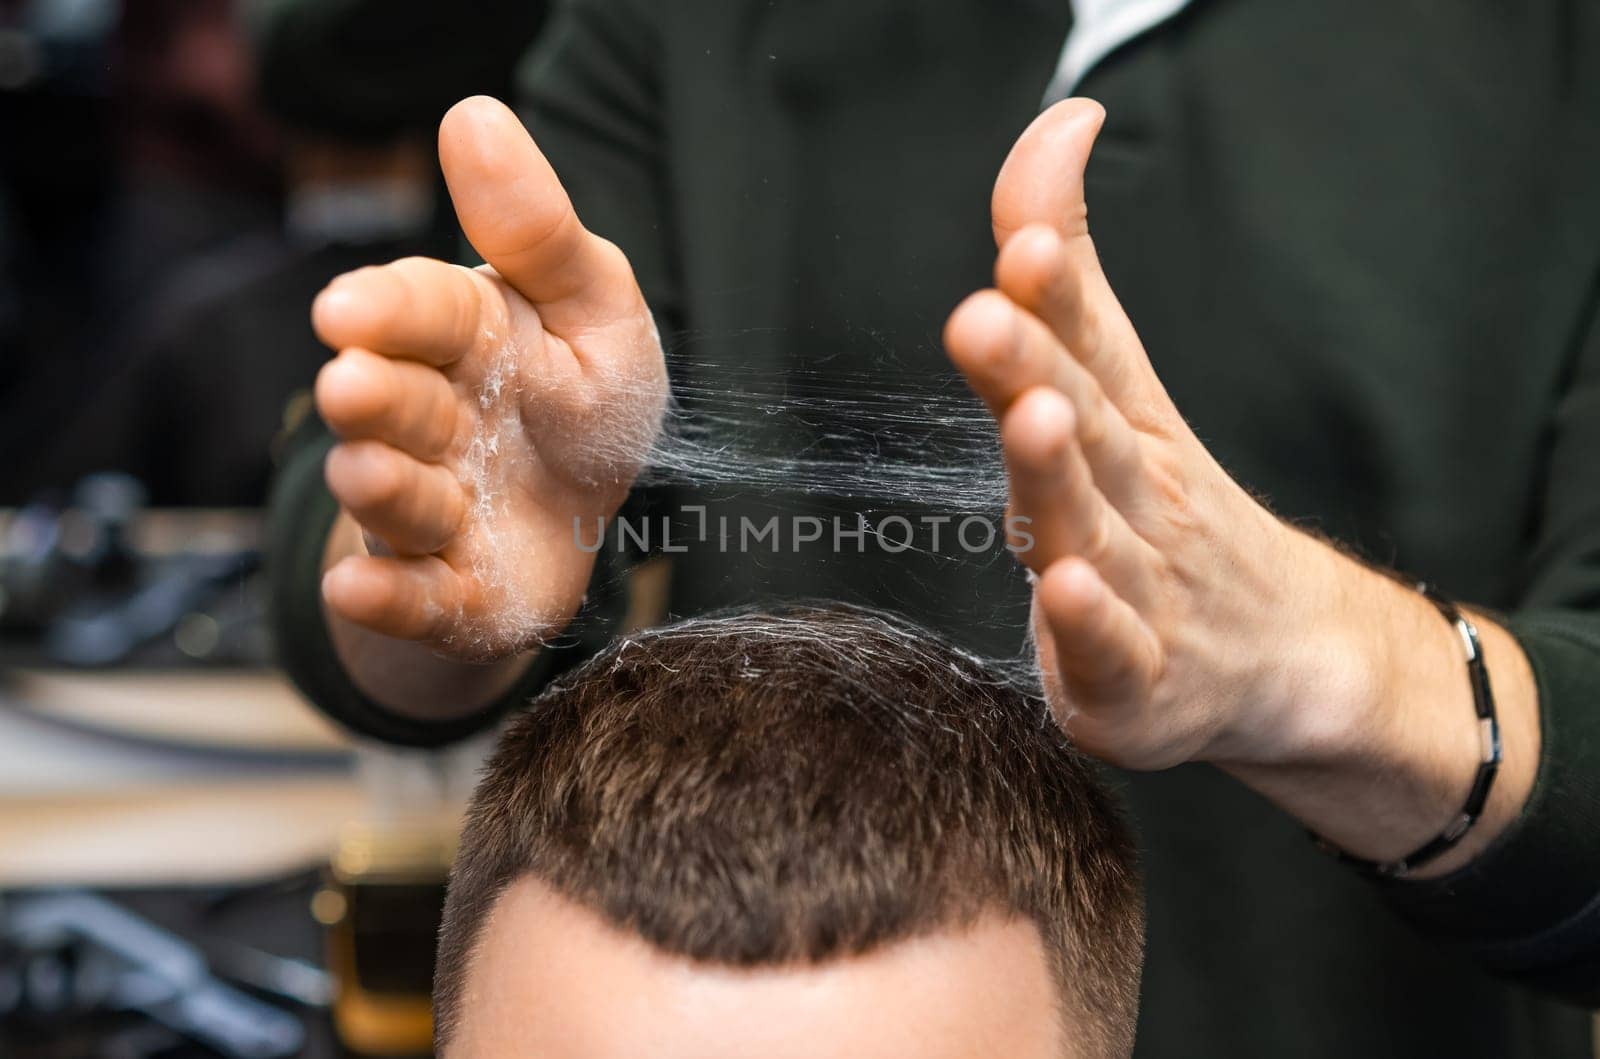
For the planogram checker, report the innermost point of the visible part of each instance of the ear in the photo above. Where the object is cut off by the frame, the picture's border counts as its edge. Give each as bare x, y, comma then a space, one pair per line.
1042, 179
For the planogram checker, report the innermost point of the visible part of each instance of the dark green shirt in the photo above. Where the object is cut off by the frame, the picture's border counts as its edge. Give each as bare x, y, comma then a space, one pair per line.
1362, 244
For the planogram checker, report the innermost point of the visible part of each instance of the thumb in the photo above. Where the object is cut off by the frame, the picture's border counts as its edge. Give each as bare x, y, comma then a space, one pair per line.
1042, 179
516, 214
1048, 264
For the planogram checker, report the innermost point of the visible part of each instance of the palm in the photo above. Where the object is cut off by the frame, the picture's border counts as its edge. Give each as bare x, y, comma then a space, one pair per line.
1157, 576
485, 412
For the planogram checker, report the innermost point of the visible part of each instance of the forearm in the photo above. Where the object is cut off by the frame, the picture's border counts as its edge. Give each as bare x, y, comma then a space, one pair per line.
410, 678
1380, 741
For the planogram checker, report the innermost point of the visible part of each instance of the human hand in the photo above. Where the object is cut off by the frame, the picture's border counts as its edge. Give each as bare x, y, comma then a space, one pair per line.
1176, 618
482, 413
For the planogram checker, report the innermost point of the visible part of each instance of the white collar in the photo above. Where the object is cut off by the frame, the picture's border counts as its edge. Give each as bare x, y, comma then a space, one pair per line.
1099, 27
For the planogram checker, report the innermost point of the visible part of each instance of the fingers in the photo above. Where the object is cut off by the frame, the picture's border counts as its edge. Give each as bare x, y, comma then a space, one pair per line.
410, 406
409, 599
415, 308
1004, 352
1105, 654
1033, 271
986, 341
413, 507
1038, 271
515, 213
1041, 181
1048, 263
1052, 487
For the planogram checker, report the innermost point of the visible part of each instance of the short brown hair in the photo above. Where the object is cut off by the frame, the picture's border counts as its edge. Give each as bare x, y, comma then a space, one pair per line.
766, 788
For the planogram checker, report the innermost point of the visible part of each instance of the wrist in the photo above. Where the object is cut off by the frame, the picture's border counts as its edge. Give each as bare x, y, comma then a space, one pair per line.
405, 677
1323, 669
1354, 691
1377, 743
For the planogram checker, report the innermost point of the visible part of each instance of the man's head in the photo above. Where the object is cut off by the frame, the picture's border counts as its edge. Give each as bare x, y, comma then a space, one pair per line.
815, 833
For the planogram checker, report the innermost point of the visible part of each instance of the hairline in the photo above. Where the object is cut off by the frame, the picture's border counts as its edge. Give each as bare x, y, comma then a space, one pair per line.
1066, 1004
1077, 969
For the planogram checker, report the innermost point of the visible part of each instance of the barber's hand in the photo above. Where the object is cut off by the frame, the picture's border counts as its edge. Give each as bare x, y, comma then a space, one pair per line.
483, 411
1161, 583
1177, 619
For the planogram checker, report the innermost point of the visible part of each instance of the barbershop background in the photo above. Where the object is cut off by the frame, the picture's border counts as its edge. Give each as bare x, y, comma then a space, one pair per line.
193, 862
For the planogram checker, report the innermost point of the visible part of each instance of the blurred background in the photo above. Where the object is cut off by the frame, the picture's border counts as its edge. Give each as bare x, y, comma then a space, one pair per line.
192, 862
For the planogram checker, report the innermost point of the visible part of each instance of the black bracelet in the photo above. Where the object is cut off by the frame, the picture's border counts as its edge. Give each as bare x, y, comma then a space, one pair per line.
1489, 731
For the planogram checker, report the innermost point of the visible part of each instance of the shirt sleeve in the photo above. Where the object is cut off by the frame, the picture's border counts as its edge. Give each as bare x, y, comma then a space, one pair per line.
1529, 907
